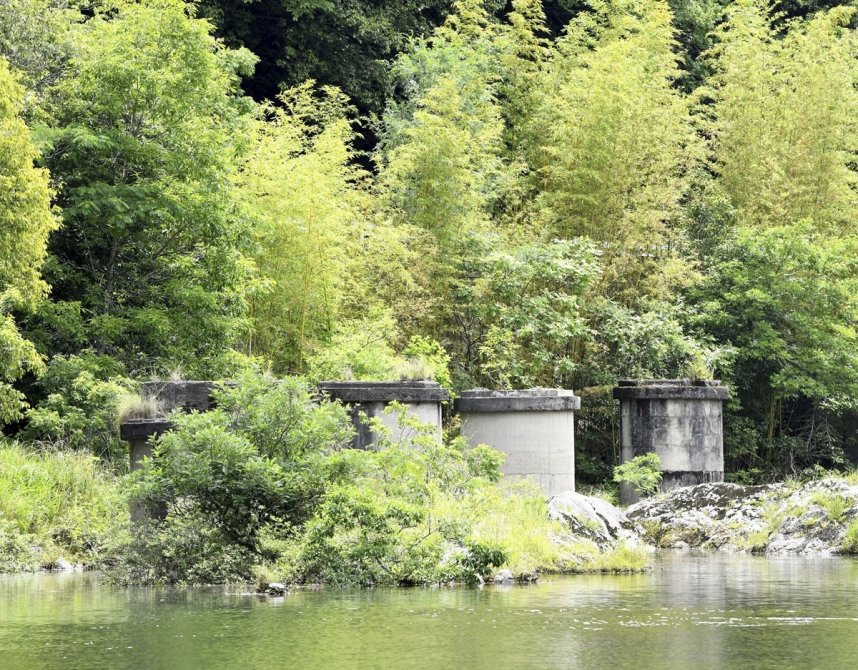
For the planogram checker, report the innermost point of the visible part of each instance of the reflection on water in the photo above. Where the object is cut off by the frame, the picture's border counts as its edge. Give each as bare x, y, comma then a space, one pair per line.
689, 612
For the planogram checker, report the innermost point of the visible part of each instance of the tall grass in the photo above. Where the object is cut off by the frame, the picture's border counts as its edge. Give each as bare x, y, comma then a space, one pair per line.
850, 539
515, 516
835, 506
64, 502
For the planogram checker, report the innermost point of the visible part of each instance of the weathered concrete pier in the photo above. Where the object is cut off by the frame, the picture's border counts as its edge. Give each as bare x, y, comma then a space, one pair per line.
422, 400
139, 433
169, 396
535, 428
681, 420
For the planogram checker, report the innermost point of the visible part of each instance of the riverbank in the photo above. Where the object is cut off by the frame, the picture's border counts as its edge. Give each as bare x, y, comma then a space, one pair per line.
66, 511
58, 510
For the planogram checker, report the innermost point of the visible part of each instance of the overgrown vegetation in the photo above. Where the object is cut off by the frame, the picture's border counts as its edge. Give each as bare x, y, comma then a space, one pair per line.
545, 193
642, 474
265, 488
57, 504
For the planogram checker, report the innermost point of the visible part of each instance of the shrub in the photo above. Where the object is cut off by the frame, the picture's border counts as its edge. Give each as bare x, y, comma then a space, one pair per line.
183, 549
229, 476
84, 396
404, 513
641, 473
265, 488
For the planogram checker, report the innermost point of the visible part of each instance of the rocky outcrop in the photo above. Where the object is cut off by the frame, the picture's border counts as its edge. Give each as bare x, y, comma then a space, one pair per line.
593, 519
819, 517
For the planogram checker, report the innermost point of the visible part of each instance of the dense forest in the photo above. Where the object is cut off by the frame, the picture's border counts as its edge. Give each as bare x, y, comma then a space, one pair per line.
521, 194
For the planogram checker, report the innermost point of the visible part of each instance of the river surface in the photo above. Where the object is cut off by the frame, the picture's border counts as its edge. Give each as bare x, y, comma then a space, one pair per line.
689, 612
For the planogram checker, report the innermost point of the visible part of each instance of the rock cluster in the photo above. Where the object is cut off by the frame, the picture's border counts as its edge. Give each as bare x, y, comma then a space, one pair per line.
819, 517
593, 519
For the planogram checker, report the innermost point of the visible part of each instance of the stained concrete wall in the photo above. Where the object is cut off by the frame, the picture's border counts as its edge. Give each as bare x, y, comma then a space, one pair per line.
534, 428
681, 421
184, 395
422, 401
139, 433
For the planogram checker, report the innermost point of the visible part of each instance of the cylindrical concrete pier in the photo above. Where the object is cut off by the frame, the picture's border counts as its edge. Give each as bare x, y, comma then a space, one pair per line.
681, 420
535, 428
422, 400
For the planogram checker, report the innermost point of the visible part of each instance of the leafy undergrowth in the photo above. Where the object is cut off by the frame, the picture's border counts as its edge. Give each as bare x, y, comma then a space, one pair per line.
54, 505
264, 488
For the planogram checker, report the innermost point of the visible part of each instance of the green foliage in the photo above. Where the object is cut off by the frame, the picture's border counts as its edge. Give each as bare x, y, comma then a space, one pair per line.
784, 300
850, 539
345, 43
403, 513
35, 39
183, 549
25, 222
252, 461
441, 161
610, 142
432, 358
623, 558
648, 343
560, 194
282, 418
144, 132
360, 349
82, 404
263, 488
305, 194
835, 505
528, 302
642, 473
782, 124
57, 504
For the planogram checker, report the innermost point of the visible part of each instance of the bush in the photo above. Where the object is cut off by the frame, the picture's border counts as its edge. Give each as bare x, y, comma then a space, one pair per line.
183, 549
641, 473
81, 406
254, 460
404, 513
230, 478
265, 488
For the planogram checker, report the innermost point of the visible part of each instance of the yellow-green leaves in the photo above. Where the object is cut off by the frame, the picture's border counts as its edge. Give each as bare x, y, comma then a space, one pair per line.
784, 125
611, 138
306, 201
25, 222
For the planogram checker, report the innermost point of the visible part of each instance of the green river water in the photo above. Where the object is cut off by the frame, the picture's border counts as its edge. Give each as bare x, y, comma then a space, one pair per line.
688, 612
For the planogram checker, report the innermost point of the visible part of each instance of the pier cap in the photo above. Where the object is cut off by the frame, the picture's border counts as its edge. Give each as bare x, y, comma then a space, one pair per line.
475, 401
655, 389
387, 391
